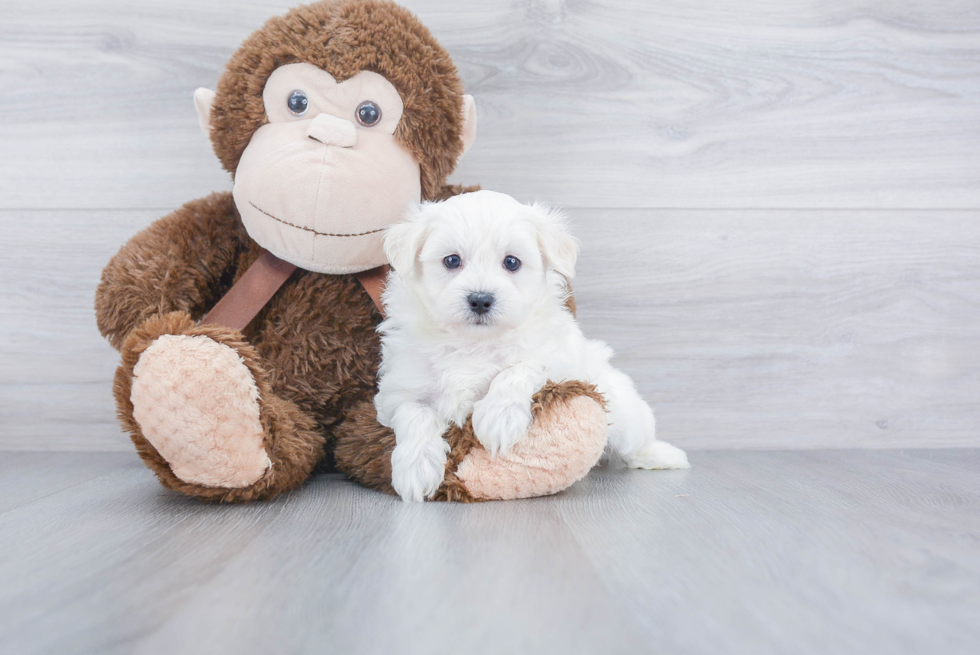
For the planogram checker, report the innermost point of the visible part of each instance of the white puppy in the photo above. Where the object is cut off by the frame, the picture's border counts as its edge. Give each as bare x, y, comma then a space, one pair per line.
477, 324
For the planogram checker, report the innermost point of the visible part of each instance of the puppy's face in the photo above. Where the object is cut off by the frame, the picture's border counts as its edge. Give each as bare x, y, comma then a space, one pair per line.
481, 262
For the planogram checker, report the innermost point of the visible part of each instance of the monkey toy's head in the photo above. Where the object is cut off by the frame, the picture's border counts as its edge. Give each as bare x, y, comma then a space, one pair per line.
333, 120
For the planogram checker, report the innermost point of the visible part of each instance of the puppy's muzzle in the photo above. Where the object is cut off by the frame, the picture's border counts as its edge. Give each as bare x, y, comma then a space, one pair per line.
480, 302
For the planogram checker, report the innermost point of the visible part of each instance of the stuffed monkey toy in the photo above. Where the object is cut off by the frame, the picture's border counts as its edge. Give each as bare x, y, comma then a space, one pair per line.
246, 320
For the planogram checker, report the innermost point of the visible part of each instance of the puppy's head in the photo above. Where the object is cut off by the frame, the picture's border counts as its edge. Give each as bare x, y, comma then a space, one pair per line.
482, 262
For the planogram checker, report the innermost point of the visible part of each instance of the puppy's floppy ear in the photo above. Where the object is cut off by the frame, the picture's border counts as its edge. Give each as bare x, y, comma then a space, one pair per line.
558, 246
403, 241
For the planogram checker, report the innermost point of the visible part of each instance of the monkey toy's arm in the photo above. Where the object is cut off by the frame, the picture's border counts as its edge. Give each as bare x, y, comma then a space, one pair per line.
196, 399
182, 262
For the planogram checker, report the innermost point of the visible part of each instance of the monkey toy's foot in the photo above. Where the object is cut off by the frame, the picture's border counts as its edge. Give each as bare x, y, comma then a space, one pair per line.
197, 403
565, 440
203, 417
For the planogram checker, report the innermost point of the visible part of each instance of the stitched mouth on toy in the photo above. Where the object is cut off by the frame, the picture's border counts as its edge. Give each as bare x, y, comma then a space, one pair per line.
309, 229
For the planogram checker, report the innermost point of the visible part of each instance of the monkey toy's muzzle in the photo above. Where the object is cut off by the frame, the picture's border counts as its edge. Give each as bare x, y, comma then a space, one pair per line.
318, 193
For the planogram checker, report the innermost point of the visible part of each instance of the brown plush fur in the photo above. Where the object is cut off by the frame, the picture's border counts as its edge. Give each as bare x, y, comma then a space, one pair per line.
557, 393
450, 190
183, 262
344, 37
364, 448
461, 441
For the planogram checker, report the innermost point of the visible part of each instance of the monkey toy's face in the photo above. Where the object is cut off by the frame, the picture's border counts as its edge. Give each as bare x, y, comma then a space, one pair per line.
322, 178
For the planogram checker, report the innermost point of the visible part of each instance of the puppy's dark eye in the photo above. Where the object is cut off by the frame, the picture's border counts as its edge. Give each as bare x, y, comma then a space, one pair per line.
511, 263
452, 261
298, 103
368, 113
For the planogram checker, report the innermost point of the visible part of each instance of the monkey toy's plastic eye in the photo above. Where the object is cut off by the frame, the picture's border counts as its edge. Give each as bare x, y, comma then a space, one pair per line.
511, 263
298, 103
368, 113
452, 261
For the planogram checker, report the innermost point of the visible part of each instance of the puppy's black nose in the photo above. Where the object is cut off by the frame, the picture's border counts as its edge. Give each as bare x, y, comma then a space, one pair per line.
480, 302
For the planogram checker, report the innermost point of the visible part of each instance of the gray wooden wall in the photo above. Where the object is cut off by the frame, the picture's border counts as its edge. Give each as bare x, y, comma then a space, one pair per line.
778, 199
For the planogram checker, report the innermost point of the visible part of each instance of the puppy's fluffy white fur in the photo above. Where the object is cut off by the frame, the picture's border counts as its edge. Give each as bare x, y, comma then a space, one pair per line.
442, 361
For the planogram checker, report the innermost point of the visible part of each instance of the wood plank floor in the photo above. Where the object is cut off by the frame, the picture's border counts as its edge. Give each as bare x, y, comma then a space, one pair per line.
748, 552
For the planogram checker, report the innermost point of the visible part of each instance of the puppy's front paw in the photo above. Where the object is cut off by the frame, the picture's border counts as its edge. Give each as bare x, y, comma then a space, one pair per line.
417, 469
500, 423
658, 455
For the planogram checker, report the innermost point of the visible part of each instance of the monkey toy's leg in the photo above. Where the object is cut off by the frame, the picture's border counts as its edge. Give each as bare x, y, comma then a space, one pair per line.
213, 427
566, 438
197, 404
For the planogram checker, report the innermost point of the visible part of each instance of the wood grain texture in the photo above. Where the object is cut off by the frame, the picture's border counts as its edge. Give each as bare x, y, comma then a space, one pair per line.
791, 329
594, 104
748, 552
29, 476
757, 329
56, 376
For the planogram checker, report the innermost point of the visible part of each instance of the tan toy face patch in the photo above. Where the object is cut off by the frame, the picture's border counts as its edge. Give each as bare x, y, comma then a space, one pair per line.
321, 180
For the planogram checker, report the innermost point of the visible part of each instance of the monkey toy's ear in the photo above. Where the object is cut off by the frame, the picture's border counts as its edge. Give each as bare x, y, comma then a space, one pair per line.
203, 99
468, 134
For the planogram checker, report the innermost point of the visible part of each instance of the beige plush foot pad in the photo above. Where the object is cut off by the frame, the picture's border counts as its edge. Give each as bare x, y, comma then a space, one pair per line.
561, 447
197, 403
